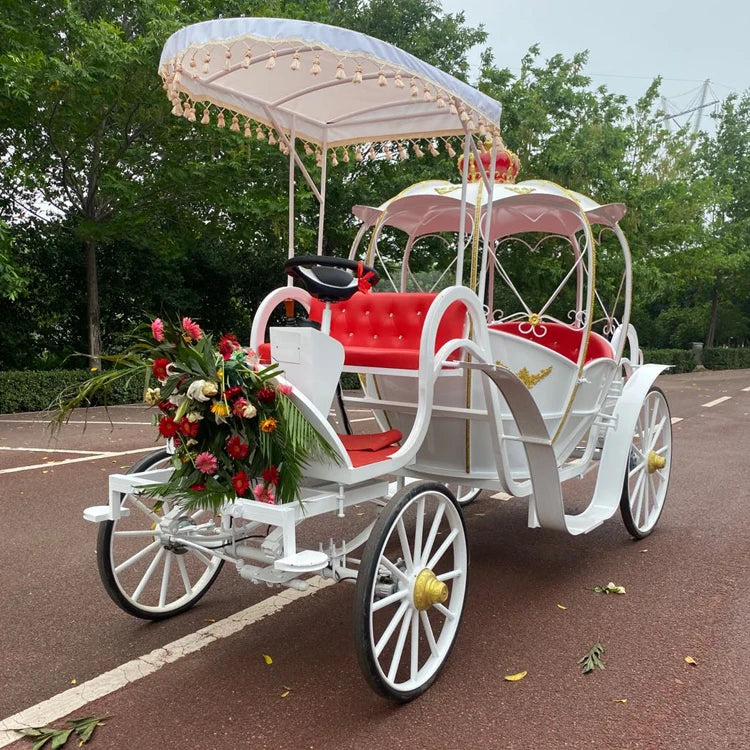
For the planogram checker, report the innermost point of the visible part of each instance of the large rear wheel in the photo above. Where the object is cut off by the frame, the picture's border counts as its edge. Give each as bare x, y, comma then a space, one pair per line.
410, 590
649, 466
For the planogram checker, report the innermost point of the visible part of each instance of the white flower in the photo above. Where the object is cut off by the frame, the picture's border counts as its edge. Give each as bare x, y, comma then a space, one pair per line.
176, 399
249, 411
210, 389
153, 396
194, 416
195, 391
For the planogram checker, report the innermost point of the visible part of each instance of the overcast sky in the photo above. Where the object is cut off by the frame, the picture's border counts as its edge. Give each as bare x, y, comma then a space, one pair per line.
630, 42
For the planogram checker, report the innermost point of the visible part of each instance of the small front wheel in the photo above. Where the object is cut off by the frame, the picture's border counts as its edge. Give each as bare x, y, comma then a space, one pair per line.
649, 466
144, 573
410, 591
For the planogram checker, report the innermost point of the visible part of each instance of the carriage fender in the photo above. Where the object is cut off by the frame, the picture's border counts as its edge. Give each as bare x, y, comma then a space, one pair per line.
613, 462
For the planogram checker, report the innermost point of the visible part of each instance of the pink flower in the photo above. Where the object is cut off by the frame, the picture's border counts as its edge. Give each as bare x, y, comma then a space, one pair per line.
264, 493
206, 463
192, 330
157, 329
284, 388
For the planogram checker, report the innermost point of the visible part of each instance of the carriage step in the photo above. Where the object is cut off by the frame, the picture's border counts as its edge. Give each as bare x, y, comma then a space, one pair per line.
307, 561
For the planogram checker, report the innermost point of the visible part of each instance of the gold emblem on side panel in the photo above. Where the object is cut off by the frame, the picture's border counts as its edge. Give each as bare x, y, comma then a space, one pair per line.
529, 379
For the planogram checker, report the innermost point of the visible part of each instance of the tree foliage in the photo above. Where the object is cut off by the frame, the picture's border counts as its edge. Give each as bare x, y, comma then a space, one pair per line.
111, 207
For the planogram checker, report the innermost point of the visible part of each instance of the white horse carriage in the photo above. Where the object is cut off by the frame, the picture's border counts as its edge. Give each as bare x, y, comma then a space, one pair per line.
466, 397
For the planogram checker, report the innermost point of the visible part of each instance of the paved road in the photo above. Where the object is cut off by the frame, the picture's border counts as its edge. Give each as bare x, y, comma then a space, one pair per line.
687, 595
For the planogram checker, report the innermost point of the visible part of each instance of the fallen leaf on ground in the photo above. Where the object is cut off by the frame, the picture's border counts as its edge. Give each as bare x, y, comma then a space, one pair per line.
74, 681
286, 691
267, 659
561, 606
593, 659
621, 700
209, 619
610, 588
690, 660
515, 677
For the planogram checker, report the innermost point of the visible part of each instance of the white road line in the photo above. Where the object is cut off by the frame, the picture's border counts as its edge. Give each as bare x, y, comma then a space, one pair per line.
71, 700
675, 420
102, 454
72, 421
717, 401
746, 389
501, 496
50, 450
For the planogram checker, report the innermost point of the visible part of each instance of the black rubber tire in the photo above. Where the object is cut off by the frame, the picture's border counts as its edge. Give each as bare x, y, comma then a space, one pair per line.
625, 507
363, 594
104, 559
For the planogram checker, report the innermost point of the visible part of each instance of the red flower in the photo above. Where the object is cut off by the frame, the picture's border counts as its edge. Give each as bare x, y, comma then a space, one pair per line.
267, 394
228, 344
167, 407
271, 475
236, 448
233, 392
239, 406
188, 428
159, 369
192, 331
157, 329
198, 487
241, 483
167, 427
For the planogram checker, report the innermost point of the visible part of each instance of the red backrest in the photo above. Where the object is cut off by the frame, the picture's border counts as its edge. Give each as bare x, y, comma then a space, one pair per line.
388, 320
563, 339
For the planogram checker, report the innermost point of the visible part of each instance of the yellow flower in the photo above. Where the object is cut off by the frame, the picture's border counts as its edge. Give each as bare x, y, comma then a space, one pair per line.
268, 425
220, 374
220, 409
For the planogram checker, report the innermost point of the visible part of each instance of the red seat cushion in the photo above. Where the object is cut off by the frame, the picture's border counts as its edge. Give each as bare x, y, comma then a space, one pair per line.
561, 338
370, 442
383, 329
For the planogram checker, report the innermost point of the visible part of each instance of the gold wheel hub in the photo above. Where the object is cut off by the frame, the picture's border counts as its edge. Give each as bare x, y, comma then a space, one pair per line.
428, 590
655, 462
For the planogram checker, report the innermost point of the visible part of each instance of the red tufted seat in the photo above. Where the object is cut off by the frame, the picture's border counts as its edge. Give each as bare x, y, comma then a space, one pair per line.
563, 339
383, 329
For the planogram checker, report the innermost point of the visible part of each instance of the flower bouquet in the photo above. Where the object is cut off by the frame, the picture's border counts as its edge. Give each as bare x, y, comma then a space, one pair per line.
234, 428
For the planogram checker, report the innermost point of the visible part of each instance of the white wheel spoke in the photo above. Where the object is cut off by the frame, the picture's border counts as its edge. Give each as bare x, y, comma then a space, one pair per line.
427, 627
646, 499
450, 575
165, 580
145, 509
184, 575
414, 644
399, 650
137, 556
635, 469
442, 549
390, 599
143, 532
393, 570
636, 499
147, 575
444, 611
404, 543
655, 435
433, 532
196, 553
392, 625
418, 531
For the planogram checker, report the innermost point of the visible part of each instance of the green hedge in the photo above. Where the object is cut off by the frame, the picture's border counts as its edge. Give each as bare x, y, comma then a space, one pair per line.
683, 360
720, 358
35, 390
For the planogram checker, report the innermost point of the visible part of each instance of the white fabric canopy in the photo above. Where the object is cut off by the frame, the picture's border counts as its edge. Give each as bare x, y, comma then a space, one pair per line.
529, 206
332, 86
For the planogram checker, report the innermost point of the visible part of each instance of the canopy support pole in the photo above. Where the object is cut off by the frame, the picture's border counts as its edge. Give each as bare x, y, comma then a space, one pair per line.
487, 229
462, 215
292, 144
322, 198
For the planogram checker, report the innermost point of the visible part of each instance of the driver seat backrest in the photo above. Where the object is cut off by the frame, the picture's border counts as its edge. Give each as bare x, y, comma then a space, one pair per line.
383, 329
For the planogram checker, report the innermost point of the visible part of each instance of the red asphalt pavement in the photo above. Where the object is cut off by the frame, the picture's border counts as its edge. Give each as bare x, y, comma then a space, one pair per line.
686, 596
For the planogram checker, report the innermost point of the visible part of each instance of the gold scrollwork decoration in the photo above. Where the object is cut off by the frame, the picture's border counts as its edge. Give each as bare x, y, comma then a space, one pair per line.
529, 379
